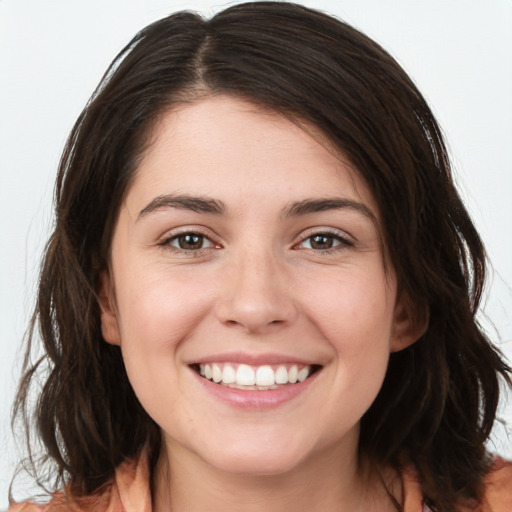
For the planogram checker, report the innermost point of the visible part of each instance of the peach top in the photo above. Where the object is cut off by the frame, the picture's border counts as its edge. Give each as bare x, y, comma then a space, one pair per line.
130, 492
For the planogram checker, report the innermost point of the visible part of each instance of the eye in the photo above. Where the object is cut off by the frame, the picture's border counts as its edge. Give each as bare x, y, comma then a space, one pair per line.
324, 241
189, 242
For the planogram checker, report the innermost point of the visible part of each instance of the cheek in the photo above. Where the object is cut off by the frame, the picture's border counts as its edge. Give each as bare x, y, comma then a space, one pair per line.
354, 313
158, 313
354, 310
158, 309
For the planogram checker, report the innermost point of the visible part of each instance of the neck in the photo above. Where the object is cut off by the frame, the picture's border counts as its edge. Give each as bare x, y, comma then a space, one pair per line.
328, 482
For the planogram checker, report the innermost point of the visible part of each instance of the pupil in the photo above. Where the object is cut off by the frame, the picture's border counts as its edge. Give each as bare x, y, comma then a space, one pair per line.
321, 242
190, 241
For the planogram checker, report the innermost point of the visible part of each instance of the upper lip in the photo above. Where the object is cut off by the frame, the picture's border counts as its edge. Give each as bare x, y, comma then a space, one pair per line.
252, 359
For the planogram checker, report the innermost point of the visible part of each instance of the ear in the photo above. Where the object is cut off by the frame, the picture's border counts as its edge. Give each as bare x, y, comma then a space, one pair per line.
410, 324
109, 323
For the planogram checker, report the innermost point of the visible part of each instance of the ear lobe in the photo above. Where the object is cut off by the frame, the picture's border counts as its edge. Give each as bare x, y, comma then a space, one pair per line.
409, 326
109, 323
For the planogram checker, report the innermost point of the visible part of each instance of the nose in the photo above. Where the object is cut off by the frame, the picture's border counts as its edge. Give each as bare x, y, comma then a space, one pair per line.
255, 293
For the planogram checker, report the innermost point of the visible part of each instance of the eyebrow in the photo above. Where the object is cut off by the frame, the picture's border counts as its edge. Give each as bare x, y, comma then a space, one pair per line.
213, 206
184, 202
309, 206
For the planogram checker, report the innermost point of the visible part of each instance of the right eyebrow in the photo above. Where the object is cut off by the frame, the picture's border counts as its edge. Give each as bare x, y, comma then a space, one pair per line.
184, 202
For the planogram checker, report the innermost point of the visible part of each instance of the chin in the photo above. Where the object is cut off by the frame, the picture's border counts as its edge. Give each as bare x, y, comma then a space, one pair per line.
257, 459
258, 465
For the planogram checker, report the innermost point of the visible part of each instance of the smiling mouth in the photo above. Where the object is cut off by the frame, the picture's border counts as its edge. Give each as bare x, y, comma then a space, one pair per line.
255, 378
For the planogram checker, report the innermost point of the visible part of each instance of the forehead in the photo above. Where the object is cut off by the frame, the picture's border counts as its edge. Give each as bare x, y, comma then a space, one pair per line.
230, 147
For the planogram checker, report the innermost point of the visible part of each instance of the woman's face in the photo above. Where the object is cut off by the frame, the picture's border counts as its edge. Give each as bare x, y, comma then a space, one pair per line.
245, 251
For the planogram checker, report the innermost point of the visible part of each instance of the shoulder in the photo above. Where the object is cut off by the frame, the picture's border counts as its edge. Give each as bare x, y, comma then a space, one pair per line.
498, 488
497, 495
129, 491
100, 501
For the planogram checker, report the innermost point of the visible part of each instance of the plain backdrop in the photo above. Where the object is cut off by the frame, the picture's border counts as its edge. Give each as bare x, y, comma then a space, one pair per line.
53, 53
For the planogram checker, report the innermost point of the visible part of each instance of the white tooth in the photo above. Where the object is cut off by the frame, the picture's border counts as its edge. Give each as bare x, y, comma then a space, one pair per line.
293, 374
303, 374
228, 374
208, 372
216, 373
201, 369
265, 376
244, 387
245, 375
281, 375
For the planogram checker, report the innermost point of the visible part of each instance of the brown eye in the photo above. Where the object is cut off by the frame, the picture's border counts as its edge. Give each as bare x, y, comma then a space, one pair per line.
190, 242
324, 241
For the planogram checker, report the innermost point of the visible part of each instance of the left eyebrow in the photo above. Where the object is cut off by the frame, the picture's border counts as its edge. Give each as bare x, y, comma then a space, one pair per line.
309, 206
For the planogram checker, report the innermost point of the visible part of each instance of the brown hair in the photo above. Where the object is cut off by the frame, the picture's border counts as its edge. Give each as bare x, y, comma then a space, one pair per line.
439, 399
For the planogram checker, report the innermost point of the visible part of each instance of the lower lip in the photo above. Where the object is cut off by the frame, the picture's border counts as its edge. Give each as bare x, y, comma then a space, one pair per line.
252, 399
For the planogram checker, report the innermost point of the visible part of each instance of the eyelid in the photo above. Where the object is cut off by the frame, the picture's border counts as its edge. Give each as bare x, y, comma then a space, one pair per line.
174, 233
345, 239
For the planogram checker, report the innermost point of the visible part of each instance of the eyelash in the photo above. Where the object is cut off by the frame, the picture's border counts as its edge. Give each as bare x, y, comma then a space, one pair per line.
340, 242
167, 242
344, 242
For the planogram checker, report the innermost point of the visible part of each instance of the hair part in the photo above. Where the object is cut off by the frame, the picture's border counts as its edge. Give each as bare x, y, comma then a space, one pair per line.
439, 399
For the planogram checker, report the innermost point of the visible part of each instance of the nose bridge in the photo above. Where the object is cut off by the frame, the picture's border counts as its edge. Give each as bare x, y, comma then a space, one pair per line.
255, 293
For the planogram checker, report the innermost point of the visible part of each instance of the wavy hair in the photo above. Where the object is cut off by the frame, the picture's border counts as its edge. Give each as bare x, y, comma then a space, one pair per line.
438, 402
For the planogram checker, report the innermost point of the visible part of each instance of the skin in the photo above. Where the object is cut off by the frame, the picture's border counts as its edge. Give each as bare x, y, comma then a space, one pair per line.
255, 286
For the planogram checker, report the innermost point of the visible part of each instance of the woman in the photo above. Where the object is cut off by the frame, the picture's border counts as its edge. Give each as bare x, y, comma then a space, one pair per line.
261, 290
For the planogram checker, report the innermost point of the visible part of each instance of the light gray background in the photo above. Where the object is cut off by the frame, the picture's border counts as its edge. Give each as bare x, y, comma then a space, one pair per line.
53, 53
